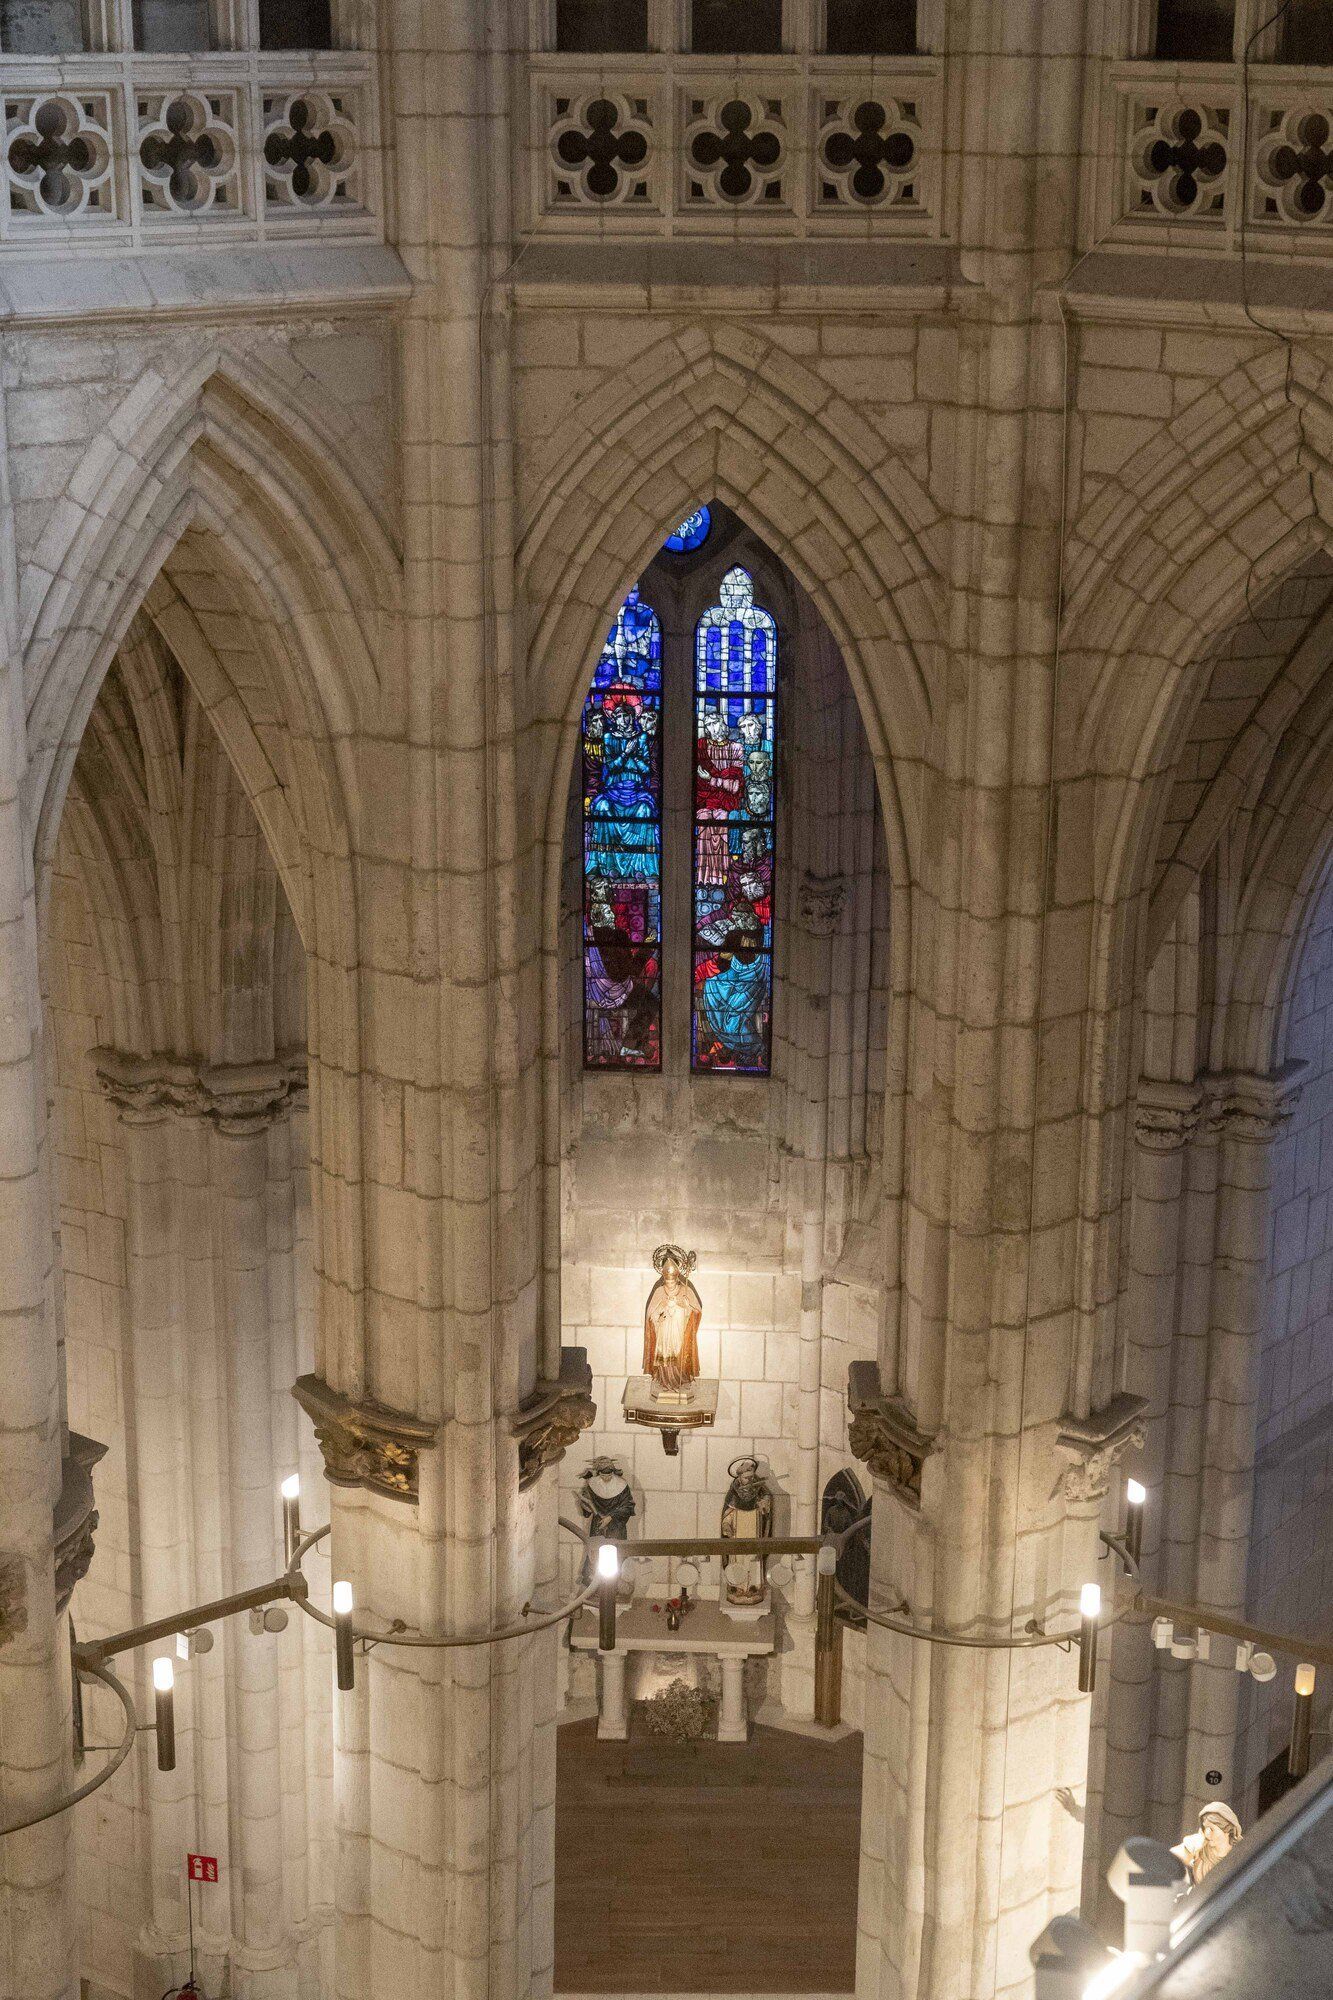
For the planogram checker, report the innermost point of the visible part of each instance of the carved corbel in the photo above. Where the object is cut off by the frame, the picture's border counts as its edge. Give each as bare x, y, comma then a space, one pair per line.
74, 1523
820, 900
1093, 1446
365, 1444
554, 1415
237, 1098
883, 1434
1166, 1113
1250, 1107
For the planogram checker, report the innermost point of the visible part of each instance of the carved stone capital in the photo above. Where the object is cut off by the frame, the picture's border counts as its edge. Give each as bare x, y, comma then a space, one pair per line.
554, 1415
1093, 1446
883, 1434
1165, 1114
74, 1525
820, 900
365, 1444
1244, 1105
238, 1098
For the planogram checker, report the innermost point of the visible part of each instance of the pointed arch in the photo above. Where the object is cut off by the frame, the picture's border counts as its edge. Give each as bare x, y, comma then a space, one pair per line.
721, 414
209, 454
1164, 558
205, 506
591, 535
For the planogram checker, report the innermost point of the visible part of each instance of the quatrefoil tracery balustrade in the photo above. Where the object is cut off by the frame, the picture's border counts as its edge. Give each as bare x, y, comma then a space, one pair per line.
310, 155
1179, 158
1294, 167
735, 148
58, 156
600, 150
869, 153
188, 152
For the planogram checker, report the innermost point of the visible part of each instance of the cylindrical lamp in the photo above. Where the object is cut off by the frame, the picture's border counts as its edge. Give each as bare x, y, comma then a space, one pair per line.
1302, 1715
828, 1640
291, 1515
1089, 1611
343, 1635
608, 1576
1135, 1497
164, 1709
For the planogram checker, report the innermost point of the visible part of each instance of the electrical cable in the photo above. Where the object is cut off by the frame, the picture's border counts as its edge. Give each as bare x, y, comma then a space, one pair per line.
88, 1671
534, 1620
1010, 1642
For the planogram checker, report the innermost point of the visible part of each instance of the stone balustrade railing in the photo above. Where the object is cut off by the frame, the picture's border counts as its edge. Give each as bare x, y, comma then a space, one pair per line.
132, 150
1183, 162
787, 145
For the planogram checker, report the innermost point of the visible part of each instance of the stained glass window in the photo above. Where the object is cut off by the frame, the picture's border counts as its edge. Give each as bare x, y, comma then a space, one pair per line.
692, 532
622, 847
735, 718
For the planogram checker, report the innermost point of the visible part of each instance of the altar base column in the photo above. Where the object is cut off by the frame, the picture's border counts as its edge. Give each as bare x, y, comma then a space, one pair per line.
613, 1719
731, 1723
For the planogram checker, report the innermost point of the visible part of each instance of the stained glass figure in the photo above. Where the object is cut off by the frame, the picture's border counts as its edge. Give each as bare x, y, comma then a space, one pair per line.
735, 709
692, 532
622, 847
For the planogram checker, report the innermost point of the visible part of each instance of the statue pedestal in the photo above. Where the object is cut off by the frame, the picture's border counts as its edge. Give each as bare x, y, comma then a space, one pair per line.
745, 1614
704, 1629
667, 1414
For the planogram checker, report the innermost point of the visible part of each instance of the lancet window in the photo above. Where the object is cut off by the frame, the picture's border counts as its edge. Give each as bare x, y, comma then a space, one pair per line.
729, 809
735, 715
622, 847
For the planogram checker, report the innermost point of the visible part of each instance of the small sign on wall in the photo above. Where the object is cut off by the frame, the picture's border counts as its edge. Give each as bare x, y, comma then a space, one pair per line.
202, 1867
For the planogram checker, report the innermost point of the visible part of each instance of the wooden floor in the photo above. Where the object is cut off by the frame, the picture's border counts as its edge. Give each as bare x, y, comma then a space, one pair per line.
706, 1868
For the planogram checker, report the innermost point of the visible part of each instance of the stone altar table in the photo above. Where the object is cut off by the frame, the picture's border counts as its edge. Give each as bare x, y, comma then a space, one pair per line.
704, 1629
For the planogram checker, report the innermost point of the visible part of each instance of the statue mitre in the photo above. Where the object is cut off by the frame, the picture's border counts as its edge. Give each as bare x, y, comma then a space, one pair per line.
671, 1253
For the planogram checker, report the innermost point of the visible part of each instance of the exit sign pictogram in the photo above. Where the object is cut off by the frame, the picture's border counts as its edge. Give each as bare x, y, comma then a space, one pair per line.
202, 1867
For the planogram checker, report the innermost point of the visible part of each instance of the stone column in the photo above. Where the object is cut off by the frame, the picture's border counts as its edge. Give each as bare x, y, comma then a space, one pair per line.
263, 1951
820, 903
1004, 1345
1199, 1286
731, 1723
1166, 1117
612, 1721
424, 1087
36, 1914
1245, 1113
202, 1298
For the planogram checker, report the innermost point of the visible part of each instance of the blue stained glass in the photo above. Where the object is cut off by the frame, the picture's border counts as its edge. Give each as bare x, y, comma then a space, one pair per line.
735, 681
692, 532
622, 846
632, 655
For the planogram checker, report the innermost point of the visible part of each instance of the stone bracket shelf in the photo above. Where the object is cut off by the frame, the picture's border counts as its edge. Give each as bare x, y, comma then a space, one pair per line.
553, 1417
883, 1433
75, 1520
365, 1444
1092, 1446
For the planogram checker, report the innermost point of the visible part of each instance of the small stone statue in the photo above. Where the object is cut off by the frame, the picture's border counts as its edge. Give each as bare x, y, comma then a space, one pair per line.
1219, 1830
605, 1500
671, 1327
747, 1515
